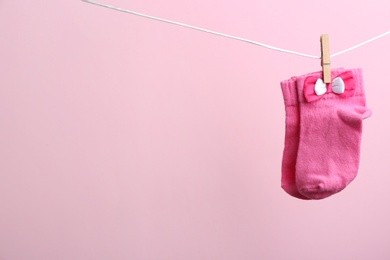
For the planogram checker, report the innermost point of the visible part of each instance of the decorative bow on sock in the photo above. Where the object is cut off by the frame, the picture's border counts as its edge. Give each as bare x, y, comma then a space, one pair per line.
315, 88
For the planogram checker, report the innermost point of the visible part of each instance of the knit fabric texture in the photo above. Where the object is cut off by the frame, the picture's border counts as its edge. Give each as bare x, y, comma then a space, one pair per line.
323, 133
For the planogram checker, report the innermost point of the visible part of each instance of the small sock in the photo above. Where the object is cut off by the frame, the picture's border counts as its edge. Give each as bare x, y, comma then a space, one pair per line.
331, 118
291, 140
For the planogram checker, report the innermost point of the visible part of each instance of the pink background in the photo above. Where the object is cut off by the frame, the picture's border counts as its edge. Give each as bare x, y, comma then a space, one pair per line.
125, 138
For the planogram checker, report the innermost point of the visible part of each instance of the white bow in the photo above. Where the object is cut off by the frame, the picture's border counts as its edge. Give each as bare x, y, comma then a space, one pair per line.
338, 86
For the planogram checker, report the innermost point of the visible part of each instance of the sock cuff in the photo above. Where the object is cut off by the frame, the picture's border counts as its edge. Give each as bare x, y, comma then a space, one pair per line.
358, 74
357, 82
293, 92
289, 90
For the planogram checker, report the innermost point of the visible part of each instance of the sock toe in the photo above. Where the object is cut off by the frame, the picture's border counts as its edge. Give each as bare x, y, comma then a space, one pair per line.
293, 191
316, 188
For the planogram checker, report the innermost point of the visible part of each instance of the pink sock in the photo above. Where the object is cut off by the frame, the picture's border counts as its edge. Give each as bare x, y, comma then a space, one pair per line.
291, 140
330, 132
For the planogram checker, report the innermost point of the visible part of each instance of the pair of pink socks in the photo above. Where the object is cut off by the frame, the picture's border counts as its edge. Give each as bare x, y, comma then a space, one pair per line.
323, 132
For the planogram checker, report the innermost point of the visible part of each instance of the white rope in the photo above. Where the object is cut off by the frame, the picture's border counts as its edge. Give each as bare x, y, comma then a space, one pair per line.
360, 44
233, 37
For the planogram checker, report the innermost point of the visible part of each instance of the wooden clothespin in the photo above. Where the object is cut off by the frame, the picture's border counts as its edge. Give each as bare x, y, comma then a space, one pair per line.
325, 58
